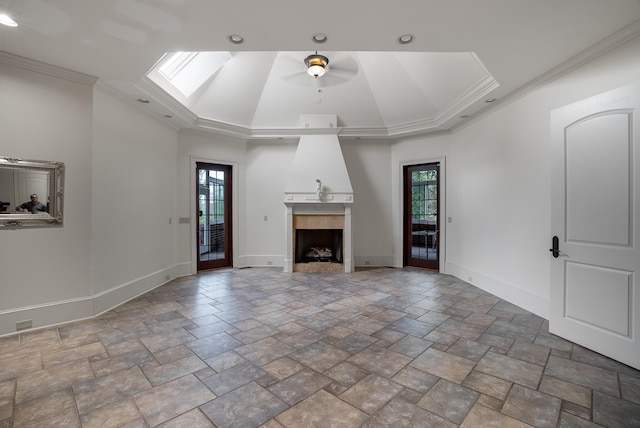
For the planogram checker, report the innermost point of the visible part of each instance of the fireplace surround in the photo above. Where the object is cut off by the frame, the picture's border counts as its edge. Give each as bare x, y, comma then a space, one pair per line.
318, 198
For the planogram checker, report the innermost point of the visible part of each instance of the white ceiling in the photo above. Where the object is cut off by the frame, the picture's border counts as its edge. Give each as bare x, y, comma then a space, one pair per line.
464, 52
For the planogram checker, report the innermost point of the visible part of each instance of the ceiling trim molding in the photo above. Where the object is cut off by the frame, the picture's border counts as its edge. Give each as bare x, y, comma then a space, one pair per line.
150, 88
475, 93
47, 69
215, 126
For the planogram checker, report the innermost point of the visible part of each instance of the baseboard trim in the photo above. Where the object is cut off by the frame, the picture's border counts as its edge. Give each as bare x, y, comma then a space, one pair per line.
50, 314
534, 303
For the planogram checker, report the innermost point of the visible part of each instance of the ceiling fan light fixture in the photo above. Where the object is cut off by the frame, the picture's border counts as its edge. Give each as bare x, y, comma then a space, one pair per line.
316, 64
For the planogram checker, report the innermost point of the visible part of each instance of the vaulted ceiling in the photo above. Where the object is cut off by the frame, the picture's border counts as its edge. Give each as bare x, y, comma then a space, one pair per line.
464, 54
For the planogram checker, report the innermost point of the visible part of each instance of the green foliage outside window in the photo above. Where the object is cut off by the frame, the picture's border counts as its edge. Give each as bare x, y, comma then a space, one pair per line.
424, 195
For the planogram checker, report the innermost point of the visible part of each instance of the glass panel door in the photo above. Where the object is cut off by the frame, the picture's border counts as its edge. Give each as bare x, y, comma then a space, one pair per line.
214, 215
421, 220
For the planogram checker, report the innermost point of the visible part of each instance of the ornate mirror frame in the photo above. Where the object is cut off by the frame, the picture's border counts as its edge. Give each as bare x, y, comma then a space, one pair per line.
13, 187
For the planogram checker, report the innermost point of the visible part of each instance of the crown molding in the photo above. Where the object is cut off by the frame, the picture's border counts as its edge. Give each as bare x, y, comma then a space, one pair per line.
155, 92
46, 69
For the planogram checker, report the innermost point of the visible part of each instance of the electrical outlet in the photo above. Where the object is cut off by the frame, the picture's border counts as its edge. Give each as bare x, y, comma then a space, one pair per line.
168, 277
269, 263
23, 325
367, 262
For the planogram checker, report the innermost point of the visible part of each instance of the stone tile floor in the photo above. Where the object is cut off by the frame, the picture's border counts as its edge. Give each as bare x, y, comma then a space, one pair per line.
258, 347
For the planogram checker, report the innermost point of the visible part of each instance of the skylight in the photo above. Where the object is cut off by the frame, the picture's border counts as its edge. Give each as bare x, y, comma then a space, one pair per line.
187, 71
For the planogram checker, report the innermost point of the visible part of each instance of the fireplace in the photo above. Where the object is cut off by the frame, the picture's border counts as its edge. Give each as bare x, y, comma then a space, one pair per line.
318, 198
318, 243
318, 246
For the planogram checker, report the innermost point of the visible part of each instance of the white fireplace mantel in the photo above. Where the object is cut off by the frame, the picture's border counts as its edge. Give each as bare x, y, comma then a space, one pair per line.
318, 208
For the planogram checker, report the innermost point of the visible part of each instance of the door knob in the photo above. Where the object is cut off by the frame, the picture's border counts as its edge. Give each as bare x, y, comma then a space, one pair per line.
555, 247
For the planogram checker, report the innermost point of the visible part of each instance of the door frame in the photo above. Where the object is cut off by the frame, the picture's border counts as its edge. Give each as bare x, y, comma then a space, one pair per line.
194, 212
444, 220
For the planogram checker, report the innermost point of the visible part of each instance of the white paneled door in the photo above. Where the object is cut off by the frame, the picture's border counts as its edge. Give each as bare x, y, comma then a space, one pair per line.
595, 293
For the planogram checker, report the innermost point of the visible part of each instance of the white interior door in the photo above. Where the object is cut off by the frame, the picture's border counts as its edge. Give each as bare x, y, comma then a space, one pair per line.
595, 296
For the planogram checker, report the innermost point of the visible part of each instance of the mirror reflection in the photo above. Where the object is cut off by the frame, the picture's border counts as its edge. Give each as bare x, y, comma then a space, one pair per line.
31, 193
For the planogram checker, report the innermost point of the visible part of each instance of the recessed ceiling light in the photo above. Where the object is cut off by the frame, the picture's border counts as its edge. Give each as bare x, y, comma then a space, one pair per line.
168, 116
7, 20
236, 39
405, 39
140, 100
464, 116
490, 100
319, 38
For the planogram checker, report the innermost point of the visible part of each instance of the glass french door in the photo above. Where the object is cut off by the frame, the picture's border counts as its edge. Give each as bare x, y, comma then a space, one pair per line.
213, 196
421, 220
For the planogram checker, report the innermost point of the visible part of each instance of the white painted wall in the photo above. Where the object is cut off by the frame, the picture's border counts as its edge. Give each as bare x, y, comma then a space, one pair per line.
134, 197
268, 169
368, 163
120, 192
47, 118
499, 187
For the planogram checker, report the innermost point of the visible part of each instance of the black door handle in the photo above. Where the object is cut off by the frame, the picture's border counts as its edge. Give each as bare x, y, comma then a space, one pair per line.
555, 247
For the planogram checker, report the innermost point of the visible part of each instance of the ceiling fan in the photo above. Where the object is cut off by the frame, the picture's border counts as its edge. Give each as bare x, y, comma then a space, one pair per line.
331, 69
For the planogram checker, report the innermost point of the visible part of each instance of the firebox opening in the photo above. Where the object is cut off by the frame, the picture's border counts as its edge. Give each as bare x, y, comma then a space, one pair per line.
318, 245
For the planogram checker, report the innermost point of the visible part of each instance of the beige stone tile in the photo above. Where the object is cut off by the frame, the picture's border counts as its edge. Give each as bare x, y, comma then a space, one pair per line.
43, 339
320, 356
63, 356
225, 361
400, 413
583, 374
282, 368
511, 369
121, 362
371, 393
299, 386
487, 384
193, 418
443, 365
415, 379
42, 408
379, 360
67, 418
322, 410
54, 378
173, 354
534, 407
264, 351
449, 400
172, 399
17, 365
174, 370
114, 387
481, 416
248, 406
112, 415
577, 394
